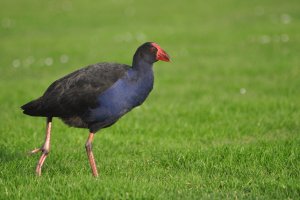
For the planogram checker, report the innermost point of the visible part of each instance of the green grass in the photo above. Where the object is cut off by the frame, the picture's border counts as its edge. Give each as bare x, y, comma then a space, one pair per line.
223, 121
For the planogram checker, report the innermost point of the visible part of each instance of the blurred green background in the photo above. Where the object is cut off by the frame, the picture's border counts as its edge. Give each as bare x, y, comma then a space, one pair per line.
222, 121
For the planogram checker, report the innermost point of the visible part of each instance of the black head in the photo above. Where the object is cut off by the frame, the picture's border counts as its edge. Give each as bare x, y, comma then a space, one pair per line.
151, 52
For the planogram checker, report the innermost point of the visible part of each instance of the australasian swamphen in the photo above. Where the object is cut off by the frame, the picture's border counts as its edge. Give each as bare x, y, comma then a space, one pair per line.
96, 96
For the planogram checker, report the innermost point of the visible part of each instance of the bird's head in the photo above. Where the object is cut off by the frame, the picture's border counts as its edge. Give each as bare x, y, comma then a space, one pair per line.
151, 52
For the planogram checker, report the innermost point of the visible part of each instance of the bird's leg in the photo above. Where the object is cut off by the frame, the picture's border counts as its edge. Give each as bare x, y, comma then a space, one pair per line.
45, 149
88, 147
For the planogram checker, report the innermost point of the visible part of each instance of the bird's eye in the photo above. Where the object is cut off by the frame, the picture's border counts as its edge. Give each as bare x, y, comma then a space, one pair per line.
152, 49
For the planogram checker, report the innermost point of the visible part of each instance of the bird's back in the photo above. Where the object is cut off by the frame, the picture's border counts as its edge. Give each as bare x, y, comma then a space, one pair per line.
74, 93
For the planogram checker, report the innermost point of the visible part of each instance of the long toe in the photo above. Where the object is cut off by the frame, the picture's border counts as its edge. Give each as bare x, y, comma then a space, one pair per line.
34, 151
40, 164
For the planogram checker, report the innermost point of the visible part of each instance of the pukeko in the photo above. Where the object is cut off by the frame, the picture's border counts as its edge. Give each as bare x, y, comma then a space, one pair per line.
96, 96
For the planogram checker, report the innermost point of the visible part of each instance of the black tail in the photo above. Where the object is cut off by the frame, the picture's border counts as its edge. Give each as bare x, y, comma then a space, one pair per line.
33, 108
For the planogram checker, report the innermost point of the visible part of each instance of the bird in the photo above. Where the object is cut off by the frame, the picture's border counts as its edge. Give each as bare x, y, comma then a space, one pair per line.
95, 97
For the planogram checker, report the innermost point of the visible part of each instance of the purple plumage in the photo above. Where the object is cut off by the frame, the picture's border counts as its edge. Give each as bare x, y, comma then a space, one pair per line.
96, 96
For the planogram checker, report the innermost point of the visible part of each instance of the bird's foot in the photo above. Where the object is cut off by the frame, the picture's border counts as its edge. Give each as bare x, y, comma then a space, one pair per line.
42, 149
45, 152
34, 151
45, 149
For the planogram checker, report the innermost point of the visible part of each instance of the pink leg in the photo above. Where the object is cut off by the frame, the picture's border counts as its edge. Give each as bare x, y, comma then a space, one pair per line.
88, 147
45, 149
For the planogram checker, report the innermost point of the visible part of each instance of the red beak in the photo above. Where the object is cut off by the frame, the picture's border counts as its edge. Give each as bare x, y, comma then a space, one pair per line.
161, 54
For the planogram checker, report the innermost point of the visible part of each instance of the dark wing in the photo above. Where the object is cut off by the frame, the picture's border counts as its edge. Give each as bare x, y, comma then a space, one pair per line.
76, 92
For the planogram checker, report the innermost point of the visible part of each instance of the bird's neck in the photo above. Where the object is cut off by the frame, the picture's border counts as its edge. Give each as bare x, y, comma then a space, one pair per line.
141, 65
141, 71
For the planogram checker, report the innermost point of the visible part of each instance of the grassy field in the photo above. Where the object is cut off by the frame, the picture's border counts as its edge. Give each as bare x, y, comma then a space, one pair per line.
223, 121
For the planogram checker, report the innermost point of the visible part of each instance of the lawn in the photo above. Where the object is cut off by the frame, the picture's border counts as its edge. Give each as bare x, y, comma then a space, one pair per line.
222, 122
